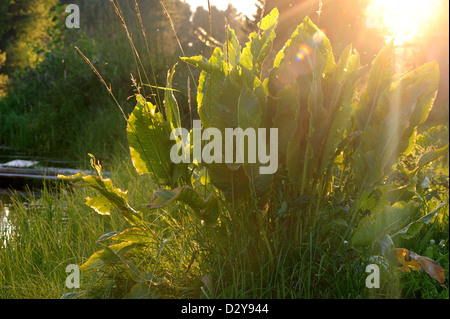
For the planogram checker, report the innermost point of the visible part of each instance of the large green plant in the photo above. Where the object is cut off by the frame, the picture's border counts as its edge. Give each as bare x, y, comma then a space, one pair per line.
336, 145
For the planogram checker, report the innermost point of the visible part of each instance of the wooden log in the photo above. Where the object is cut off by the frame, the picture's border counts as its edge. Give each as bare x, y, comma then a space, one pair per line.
39, 173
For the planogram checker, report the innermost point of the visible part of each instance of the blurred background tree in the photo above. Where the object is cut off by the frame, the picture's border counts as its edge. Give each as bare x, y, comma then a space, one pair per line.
24, 30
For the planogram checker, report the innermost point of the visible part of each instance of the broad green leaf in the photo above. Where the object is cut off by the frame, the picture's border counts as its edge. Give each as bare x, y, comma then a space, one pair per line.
393, 112
296, 150
249, 116
324, 45
427, 75
413, 228
222, 111
303, 34
149, 141
226, 112
93, 262
136, 274
366, 167
339, 93
249, 109
384, 245
207, 210
380, 78
259, 45
142, 290
430, 74
375, 201
287, 104
390, 133
117, 197
380, 224
232, 181
100, 204
170, 102
313, 117
232, 49
341, 69
109, 254
408, 103
209, 88
107, 236
432, 156
398, 111
132, 235
403, 193
318, 116
269, 21
380, 75
338, 223
339, 125
199, 62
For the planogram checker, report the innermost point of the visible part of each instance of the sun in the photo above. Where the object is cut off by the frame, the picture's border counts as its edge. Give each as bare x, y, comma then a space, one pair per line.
247, 7
403, 19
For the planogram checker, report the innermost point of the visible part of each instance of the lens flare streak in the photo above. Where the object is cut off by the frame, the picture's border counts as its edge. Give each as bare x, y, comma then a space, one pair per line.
305, 50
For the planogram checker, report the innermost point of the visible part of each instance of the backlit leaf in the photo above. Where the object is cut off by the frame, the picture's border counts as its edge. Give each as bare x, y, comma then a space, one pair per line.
170, 102
132, 235
249, 109
101, 204
380, 78
287, 103
109, 254
232, 49
142, 290
414, 227
381, 223
259, 45
432, 156
207, 210
149, 141
108, 193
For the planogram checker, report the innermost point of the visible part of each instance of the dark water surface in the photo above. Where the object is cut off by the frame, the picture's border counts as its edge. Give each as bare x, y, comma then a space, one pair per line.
21, 182
26, 181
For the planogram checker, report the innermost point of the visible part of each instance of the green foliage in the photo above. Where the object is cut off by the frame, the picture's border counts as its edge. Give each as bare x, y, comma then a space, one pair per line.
259, 45
393, 128
205, 210
338, 155
149, 139
25, 31
377, 225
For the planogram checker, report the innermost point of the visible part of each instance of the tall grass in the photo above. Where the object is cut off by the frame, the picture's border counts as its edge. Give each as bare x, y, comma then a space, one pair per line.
57, 229
41, 235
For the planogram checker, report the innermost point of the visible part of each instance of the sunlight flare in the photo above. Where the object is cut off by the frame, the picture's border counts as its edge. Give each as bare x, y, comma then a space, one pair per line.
404, 19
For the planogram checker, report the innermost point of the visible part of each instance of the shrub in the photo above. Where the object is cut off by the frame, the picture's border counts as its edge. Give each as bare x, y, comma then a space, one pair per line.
338, 149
